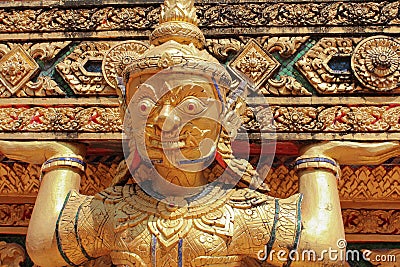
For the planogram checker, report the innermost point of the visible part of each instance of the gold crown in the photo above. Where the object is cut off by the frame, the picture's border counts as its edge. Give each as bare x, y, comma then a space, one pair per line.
177, 41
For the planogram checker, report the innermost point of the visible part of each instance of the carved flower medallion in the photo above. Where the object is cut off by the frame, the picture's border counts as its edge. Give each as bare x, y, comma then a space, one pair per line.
376, 62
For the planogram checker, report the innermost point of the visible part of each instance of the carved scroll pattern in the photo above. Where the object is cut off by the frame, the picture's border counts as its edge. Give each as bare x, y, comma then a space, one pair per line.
41, 119
222, 15
361, 183
11, 254
23, 179
323, 119
371, 221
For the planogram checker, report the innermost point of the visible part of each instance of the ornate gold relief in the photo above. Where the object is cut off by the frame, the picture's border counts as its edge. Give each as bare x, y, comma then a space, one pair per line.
300, 119
356, 183
254, 64
23, 179
15, 214
45, 119
118, 58
76, 71
315, 66
92, 67
376, 63
285, 86
286, 46
16, 68
366, 183
11, 254
364, 119
371, 221
145, 17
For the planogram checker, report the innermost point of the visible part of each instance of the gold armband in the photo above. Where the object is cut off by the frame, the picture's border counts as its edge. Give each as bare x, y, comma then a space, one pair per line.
322, 162
75, 162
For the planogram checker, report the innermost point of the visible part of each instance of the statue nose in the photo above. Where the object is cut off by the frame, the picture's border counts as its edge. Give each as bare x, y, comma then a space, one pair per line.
167, 120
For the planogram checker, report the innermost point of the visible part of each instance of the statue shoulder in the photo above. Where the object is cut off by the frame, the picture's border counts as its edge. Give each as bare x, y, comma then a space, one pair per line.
111, 195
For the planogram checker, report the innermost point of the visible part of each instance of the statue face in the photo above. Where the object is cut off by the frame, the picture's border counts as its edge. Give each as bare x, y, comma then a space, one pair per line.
180, 122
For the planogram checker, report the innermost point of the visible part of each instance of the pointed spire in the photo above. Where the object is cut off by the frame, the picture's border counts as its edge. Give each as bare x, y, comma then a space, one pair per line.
178, 22
178, 10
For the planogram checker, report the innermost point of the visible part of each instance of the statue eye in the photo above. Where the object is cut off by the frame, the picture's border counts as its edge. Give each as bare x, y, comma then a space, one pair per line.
192, 106
145, 106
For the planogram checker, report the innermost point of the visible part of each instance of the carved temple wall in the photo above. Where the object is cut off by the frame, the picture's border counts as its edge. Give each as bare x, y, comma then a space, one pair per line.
317, 70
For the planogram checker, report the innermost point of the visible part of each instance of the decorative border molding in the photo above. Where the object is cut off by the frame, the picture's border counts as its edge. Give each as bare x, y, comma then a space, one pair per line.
371, 221
22, 179
227, 16
81, 118
358, 184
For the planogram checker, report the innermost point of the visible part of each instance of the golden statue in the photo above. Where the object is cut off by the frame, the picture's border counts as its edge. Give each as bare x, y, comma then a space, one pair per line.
191, 203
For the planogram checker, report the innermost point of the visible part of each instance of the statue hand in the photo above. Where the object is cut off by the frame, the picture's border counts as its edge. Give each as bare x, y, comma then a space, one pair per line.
37, 152
347, 152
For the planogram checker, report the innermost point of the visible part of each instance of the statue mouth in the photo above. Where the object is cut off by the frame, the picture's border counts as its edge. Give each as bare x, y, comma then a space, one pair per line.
168, 145
180, 142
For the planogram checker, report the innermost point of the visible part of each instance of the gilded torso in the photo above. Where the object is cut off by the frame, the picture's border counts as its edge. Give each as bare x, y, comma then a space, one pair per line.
217, 227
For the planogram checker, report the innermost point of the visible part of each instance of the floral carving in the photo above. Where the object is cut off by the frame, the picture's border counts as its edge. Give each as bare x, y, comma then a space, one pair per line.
74, 69
286, 46
55, 119
255, 64
321, 118
376, 63
285, 86
15, 214
118, 58
16, 68
371, 221
315, 66
11, 254
145, 17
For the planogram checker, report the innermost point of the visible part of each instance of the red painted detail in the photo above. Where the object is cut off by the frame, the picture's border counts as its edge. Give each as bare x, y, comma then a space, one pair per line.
94, 117
377, 118
220, 160
36, 119
339, 118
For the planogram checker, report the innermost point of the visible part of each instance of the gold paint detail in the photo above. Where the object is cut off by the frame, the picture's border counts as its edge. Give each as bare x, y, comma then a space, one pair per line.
254, 64
11, 254
23, 179
178, 22
118, 58
15, 215
75, 69
314, 66
376, 63
371, 221
207, 224
362, 119
285, 86
42, 119
303, 119
16, 68
361, 183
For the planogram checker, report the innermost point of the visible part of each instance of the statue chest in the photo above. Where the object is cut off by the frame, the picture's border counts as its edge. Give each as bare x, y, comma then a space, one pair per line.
169, 240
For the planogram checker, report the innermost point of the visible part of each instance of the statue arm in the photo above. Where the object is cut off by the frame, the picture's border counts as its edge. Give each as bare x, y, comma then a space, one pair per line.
318, 169
55, 185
